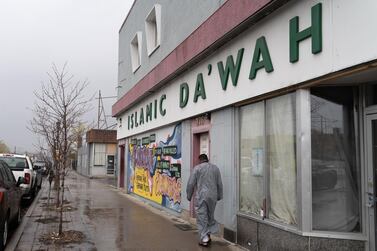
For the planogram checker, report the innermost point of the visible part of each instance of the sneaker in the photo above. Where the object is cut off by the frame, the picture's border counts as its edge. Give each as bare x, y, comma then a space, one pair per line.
205, 239
201, 243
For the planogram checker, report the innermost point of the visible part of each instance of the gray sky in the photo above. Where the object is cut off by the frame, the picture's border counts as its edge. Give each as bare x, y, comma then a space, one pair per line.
36, 33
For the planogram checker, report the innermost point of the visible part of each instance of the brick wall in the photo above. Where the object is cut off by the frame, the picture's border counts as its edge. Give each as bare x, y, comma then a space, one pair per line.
101, 136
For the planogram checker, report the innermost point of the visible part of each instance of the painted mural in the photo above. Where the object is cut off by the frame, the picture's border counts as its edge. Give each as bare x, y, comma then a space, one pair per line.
154, 167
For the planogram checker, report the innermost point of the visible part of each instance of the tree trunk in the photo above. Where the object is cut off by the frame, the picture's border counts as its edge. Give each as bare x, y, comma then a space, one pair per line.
62, 205
48, 198
57, 187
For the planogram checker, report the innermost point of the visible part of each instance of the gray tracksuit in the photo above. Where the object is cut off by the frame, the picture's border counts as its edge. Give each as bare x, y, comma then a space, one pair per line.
206, 178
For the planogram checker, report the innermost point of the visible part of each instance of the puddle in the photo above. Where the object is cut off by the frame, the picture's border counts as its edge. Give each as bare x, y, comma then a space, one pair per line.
100, 212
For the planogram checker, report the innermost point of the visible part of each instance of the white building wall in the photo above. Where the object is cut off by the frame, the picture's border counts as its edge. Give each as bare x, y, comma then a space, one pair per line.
90, 159
98, 171
186, 161
82, 159
172, 13
223, 155
340, 50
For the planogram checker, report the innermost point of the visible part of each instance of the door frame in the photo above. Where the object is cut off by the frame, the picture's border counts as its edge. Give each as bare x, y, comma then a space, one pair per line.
370, 191
122, 165
107, 164
199, 125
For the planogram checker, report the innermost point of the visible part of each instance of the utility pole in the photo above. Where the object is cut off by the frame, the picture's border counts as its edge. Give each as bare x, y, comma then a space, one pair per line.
99, 108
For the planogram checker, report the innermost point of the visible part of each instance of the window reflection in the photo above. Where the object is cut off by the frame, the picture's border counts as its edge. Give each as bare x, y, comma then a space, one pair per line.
371, 94
335, 175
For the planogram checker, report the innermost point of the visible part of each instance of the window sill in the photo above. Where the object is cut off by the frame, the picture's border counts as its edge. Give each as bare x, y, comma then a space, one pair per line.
337, 235
295, 230
153, 50
136, 68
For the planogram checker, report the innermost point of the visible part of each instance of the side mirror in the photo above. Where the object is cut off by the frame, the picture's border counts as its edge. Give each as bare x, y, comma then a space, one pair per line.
21, 180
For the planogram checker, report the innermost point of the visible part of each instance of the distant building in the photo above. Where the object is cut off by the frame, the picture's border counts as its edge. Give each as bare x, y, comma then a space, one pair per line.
96, 153
282, 96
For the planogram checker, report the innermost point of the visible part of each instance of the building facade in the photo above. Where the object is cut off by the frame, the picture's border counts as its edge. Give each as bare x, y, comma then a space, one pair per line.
281, 95
96, 155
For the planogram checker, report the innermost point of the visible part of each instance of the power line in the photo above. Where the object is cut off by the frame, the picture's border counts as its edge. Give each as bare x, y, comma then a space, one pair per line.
102, 117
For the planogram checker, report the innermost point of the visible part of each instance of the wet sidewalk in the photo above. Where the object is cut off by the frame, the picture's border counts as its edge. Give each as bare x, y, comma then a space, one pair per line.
109, 220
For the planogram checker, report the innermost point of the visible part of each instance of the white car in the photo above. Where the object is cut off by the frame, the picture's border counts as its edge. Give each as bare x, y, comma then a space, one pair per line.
22, 166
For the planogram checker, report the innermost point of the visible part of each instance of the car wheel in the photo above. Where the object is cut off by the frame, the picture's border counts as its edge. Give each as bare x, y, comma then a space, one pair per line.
34, 191
4, 234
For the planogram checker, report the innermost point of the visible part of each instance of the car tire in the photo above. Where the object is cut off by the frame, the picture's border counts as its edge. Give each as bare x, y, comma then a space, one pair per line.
18, 218
4, 234
34, 192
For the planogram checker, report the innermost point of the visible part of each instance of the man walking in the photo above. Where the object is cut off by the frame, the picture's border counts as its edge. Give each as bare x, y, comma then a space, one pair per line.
206, 178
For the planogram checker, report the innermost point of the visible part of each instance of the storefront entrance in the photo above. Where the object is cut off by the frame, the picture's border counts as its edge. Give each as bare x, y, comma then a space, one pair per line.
200, 145
110, 164
122, 165
371, 189
200, 128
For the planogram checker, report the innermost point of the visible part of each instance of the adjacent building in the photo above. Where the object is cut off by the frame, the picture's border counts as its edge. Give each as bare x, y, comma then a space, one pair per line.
280, 94
96, 153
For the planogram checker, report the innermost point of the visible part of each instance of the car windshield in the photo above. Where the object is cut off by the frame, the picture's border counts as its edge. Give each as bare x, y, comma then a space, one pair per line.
15, 163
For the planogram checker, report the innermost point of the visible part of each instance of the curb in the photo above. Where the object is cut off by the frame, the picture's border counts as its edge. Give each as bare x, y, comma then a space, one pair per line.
13, 242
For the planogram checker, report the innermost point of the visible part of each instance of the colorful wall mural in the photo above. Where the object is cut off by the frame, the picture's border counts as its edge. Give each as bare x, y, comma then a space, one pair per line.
154, 167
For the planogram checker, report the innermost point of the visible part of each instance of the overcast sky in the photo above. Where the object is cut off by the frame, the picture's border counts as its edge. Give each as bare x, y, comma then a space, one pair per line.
36, 33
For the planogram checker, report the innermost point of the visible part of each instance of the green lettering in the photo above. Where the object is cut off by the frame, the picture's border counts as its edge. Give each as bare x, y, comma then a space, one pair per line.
162, 111
314, 31
136, 123
132, 121
141, 120
234, 70
148, 112
129, 122
183, 95
261, 49
199, 88
155, 108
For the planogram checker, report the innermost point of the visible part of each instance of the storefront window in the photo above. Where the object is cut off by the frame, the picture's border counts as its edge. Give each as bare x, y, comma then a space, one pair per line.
281, 158
252, 159
335, 174
268, 159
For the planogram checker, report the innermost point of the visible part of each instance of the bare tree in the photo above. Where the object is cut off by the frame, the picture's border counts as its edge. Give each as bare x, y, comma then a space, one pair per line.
58, 109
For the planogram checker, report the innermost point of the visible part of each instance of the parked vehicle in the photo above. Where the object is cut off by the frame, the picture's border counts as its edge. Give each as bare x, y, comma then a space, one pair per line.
39, 174
41, 167
10, 201
22, 166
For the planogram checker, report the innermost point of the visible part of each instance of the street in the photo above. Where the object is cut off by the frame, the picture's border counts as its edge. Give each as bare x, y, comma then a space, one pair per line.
108, 220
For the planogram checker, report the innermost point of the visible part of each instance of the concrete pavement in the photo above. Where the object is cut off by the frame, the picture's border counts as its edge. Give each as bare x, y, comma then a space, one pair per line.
110, 220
